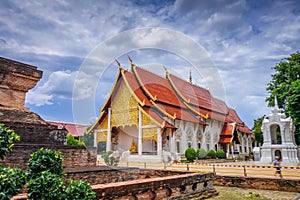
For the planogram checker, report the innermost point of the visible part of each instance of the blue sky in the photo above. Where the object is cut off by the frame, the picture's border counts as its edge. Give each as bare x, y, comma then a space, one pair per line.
75, 42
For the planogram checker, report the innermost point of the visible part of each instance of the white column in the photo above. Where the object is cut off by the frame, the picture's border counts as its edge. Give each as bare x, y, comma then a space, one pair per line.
243, 144
108, 139
95, 138
172, 143
159, 143
232, 150
247, 144
227, 150
140, 134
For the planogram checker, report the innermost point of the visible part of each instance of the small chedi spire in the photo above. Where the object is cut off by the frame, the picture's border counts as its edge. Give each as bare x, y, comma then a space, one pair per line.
191, 79
131, 62
276, 108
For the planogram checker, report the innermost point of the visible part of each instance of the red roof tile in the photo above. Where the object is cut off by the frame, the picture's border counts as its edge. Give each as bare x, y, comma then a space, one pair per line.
157, 118
77, 130
225, 140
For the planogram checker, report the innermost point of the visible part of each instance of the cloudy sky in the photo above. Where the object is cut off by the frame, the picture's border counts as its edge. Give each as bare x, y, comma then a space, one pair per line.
230, 47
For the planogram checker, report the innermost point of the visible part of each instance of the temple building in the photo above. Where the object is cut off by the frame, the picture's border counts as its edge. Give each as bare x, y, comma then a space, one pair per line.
149, 117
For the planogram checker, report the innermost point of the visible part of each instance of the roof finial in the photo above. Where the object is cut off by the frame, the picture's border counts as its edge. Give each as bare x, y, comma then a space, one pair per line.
191, 79
120, 67
166, 70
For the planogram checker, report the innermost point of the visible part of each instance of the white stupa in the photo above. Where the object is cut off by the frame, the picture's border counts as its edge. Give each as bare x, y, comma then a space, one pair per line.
279, 140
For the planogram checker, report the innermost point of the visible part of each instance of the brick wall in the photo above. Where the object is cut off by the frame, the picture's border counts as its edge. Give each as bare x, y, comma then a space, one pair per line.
73, 156
259, 183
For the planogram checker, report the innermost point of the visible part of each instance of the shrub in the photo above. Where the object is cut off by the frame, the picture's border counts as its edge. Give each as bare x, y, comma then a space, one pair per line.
11, 182
45, 160
109, 159
73, 141
7, 137
220, 153
80, 190
46, 186
211, 154
201, 153
190, 154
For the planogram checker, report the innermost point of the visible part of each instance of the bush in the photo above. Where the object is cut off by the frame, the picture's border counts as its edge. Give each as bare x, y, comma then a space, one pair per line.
45, 160
7, 137
220, 153
46, 186
190, 154
73, 141
201, 153
211, 154
11, 182
80, 190
109, 159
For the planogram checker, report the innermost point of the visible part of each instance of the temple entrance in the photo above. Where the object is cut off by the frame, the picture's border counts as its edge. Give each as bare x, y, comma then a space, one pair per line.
278, 153
275, 134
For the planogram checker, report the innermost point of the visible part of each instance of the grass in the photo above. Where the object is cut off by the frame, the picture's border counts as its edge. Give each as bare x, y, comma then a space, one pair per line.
233, 193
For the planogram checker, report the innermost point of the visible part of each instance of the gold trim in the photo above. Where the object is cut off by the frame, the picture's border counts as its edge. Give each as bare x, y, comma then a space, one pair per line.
156, 122
195, 111
163, 111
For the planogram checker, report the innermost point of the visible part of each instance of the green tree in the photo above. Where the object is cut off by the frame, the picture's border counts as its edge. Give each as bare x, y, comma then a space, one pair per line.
285, 85
79, 190
257, 129
45, 160
7, 138
190, 154
211, 154
109, 159
73, 141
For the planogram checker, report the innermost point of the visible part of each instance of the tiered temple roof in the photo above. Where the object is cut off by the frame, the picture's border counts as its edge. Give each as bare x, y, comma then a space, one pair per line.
167, 99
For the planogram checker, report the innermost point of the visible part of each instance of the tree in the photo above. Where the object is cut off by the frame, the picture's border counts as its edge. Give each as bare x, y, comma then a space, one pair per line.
190, 154
257, 129
285, 85
7, 137
73, 141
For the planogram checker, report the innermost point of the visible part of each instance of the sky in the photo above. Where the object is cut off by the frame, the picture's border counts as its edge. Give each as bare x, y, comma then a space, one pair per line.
229, 46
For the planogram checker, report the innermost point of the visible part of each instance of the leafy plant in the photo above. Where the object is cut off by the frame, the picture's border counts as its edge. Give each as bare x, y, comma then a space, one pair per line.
190, 154
73, 141
79, 190
220, 153
11, 182
46, 186
7, 137
45, 160
109, 159
201, 153
211, 154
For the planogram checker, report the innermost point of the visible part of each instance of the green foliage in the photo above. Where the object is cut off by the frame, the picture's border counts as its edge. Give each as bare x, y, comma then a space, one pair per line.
201, 153
285, 85
80, 190
7, 137
46, 186
211, 154
190, 154
257, 129
45, 160
109, 159
11, 182
73, 141
220, 153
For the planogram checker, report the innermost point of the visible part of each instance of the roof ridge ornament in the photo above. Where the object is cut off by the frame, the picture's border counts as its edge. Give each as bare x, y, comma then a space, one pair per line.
167, 72
119, 64
131, 62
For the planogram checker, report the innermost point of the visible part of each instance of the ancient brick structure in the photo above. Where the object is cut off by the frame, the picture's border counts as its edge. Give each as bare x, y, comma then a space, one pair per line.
15, 80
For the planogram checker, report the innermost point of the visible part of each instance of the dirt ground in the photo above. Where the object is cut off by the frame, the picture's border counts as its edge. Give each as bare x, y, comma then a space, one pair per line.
233, 193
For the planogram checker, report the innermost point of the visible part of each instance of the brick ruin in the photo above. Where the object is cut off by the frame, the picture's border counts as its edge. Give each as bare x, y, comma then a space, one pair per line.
16, 79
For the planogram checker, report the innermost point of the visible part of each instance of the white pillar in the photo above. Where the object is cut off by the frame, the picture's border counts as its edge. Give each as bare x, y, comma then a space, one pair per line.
159, 143
247, 144
172, 144
243, 144
227, 150
95, 138
108, 139
140, 134
232, 150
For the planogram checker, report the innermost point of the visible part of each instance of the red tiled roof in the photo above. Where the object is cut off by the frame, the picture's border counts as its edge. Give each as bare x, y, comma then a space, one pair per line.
228, 129
225, 140
77, 130
157, 87
157, 118
241, 126
179, 113
197, 96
